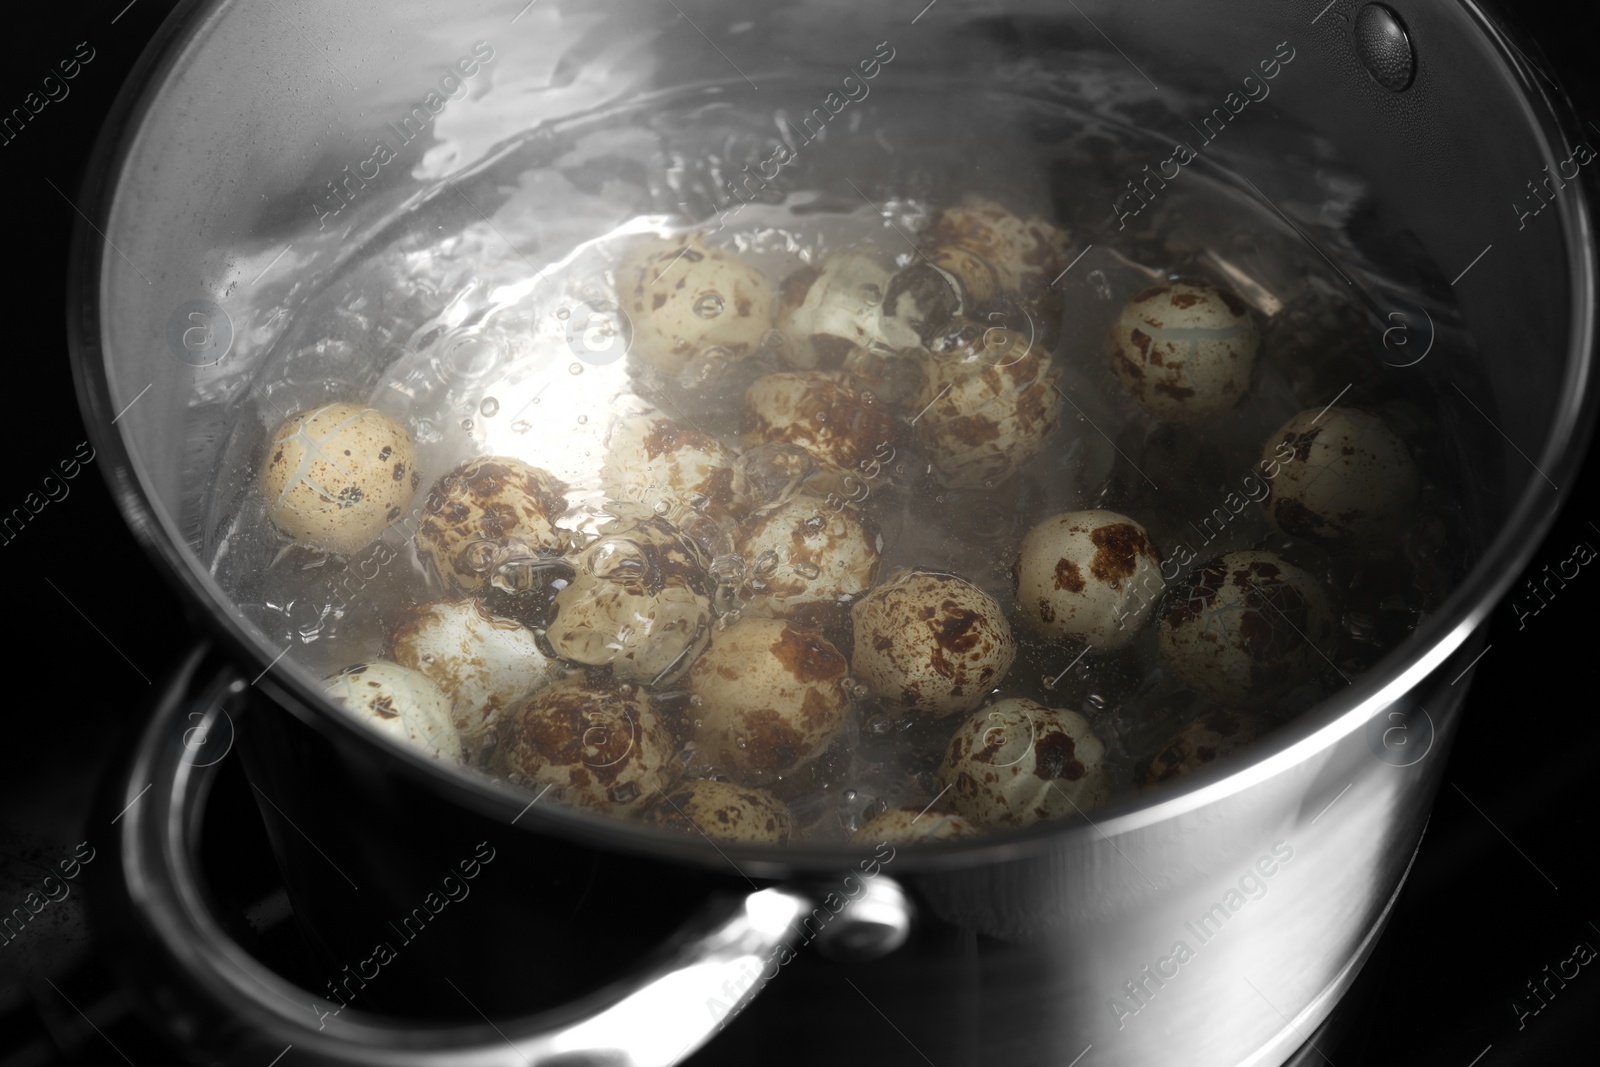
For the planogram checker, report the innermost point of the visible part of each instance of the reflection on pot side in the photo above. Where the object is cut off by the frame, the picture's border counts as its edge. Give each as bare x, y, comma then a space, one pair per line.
1141, 989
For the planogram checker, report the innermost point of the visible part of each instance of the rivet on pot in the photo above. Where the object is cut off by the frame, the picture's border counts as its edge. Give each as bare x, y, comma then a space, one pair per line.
870, 926
1385, 47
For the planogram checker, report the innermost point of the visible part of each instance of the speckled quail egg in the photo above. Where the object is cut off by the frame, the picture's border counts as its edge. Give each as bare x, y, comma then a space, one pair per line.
637, 602
1025, 252
922, 300
650, 459
1017, 762
909, 825
1091, 576
482, 662
768, 698
485, 512
931, 642
1246, 627
1351, 481
986, 407
806, 553
1185, 352
400, 702
827, 311
684, 297
1212, 738
599, 744
820, 412
722, 811
336, 477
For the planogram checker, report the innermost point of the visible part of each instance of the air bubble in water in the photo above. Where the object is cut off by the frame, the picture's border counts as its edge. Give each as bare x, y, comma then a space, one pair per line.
466, 424
583, 420
709, 306
521, 426
576, 368
489, 407
807, 570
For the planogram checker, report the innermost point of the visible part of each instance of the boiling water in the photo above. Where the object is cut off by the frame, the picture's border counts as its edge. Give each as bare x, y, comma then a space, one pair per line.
489, 326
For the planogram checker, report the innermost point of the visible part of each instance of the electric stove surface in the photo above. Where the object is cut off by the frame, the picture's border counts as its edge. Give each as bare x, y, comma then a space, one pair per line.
1481, 962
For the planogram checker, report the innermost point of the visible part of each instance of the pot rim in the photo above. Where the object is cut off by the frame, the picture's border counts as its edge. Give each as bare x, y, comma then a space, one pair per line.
1317, 729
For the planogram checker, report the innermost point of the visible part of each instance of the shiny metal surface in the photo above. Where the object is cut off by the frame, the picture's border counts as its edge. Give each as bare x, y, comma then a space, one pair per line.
239, 1008
1273, 877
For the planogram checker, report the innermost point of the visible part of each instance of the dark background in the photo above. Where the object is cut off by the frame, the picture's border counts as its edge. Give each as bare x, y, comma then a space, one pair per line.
1504, 884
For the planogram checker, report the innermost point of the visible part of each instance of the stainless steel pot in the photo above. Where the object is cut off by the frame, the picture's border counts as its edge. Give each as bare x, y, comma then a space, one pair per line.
244, 135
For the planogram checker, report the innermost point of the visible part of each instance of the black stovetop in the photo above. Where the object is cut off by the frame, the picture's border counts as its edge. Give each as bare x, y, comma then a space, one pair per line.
1502, 891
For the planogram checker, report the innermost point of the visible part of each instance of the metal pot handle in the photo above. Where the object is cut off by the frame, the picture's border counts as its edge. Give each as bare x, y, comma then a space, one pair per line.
217, 998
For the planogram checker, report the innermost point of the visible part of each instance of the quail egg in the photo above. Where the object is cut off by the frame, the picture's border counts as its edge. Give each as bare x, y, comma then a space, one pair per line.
1212, 738
931, 642
1017, 762
1185, 352
481, 662
338, 476
400, 702
637, 602
1351, 481
722, 811
1091, 576
806, 553
1026, 253
685, 298
650, 459
986, 407
768, 698
909, 825
485, 512
820, 412
825, 312
1246, 627
598, 744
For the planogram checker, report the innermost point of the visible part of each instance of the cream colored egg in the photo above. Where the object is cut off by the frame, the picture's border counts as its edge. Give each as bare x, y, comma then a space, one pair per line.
1185, 352
486, 512
768, 698
638, 602
481, 662
931, 643
400, 702
1351, 480
597, 744
338, 476
805, 554
722, 811
1026, 252
827, 311
1090, 576
986, 407
651, 460
820, 412
909, 825
684, 297
1246, 628
1212, 738
1017, 762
